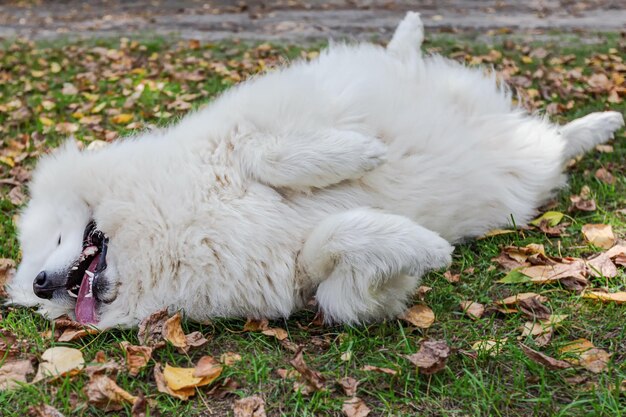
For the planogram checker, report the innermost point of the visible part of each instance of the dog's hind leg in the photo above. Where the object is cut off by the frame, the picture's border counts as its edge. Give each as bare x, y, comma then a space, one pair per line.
368, 263
583, 134
407, 40
301, 160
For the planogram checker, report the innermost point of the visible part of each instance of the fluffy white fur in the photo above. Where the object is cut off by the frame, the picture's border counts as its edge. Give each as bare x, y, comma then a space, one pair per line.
345, 178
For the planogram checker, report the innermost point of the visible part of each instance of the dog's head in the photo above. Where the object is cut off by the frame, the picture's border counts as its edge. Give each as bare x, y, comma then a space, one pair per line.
64, 262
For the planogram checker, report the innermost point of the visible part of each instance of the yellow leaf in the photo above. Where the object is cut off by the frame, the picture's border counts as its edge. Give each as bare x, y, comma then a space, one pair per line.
37, 74
99, 107
122, 118
7, 160
45, 121
419, 315
55, 67
181, 378
48, 105
600, 235
527, 60
618, 297
582, 352
551, 217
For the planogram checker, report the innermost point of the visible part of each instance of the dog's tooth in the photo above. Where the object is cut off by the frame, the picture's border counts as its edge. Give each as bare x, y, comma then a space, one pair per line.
89, 274
71, 294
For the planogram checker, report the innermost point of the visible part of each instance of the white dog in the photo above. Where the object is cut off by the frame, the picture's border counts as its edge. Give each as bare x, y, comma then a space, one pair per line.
345, 178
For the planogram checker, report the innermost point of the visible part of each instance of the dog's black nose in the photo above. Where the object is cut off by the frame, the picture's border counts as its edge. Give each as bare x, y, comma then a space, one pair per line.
42, 285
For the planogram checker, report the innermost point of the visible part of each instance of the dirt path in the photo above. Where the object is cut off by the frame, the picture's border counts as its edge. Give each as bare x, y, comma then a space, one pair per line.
295, 20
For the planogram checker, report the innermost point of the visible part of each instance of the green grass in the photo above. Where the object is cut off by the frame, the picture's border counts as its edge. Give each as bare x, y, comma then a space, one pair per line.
508, 384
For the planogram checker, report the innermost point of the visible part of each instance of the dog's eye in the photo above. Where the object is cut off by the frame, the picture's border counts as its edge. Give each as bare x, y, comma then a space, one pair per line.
59, 241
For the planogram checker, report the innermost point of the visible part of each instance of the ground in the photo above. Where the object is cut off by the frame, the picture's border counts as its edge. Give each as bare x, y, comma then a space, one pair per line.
100, 89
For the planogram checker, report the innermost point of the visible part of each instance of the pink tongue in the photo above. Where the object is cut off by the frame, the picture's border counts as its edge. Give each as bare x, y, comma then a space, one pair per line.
86, 303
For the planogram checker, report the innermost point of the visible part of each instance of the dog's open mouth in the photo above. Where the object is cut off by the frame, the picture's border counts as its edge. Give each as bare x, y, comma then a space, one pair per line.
83, 275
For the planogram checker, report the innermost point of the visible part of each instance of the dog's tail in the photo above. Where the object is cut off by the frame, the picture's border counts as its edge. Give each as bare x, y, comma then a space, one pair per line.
583, 134
406, 42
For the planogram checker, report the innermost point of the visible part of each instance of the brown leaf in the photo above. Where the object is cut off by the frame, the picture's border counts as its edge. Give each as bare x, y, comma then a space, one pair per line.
59, 361
140, 408
349, 385
533, 307
7, 269
67, 330
617, 297
515, 299
452, 278
572, 268
220, 391
14, 372
314, 380
183, 378
582, 204
103, 393
472, 309
44, 410
605, 176
355, 407
543, 359
253, 325
151, 329
600, 235
371, 368
583, 353
207, 367
249, 407
137, 357
431, 357
419, 315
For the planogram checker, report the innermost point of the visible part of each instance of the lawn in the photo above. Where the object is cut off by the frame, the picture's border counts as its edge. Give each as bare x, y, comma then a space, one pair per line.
98, 91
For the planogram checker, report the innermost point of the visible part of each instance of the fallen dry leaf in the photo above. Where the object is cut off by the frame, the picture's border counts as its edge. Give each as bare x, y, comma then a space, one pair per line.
162, 386
543, 359
472, 309
137, 357
67, 330
230, 358
59, 361
173, 332
419, 315
452, 278
254, 325
150, 332
220, 391
355, 407
249, 407
539, 327
431, 357
140, 408
571, 272
103, 393
122, 118
605, 176
600, 235
7, 268
183, 378
207, 367
44, 410
371, 368
582, 203
490, 347
617, 297
583, 353
349, 385
12, 373
313, 380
